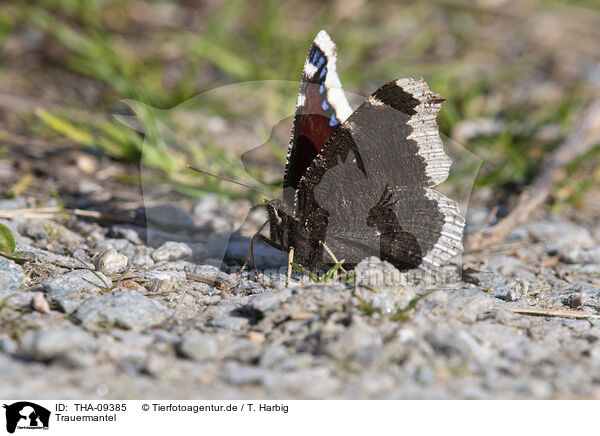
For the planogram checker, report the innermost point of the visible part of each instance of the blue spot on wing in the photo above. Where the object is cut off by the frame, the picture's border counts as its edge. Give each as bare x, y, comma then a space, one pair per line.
323, 72
315, 57
321, 89
324, 105
333, 122
321, 61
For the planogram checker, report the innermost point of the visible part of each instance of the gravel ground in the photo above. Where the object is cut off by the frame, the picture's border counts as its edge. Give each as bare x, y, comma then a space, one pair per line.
98, 314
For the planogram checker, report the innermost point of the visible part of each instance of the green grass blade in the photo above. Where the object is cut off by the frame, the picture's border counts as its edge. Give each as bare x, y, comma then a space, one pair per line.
334, 269
7, 240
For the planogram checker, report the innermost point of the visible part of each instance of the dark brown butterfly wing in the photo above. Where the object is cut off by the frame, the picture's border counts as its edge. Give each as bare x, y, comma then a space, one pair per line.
369, 192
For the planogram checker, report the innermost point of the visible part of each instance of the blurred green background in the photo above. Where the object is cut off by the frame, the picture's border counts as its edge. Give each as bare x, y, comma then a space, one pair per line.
515, 74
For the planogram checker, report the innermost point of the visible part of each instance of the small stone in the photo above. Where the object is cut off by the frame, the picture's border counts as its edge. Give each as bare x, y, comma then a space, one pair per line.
69, 289
374, 272
39, 302
50, 230
273, 354
585, 290
258, 337
240, 349
49, 344
86, 163
230, 323
130, 284
505, 264
13, 203
111, 262
7, 345
209, 202
196, 346
560, 236
77, 359
301, 316
295, 362
424, 375
160, 285
170, 251
360, 345
485, 279
452, 343
123, 246
247, 287
128, 310
11, 275
269, 301
582, 255
517, 234
142, 257
574, 301
237, 374
310, 383
89, 188
517, 290
133, 234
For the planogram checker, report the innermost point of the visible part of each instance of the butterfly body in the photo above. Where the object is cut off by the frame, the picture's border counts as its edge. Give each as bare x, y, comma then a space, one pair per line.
359, 184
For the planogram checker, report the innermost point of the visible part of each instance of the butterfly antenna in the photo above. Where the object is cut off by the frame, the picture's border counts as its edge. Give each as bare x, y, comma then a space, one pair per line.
230, 181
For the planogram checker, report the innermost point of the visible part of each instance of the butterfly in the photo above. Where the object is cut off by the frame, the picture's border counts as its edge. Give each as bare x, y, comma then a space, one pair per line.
360, 183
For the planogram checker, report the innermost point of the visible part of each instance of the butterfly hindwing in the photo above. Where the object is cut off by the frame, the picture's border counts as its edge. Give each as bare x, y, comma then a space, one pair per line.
370, 187
321, 108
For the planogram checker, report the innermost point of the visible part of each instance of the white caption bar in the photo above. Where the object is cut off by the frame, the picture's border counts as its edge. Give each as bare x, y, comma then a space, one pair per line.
248, 417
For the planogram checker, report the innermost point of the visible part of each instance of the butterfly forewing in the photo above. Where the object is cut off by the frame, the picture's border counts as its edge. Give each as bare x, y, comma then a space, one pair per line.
321, 107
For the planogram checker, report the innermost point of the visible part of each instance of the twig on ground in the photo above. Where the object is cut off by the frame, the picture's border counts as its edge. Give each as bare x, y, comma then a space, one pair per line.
48, 212
208, 280
547, 312
583, 138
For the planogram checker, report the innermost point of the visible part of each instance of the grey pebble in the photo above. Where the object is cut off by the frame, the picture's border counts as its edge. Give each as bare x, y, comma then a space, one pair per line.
197, 346
11, 275
69, 289
13, 203
111, 262
273, 354
270, 300
122, 309
238, 374
560, 235
515, 291
46, 229
452, 343
582, 255
308, 384
46, 345
133, 234
7, 345
505, 264
240, 349
170, 251
229, 323
142, 257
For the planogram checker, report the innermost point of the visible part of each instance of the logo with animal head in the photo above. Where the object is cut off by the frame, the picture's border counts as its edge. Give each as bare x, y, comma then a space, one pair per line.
26, 415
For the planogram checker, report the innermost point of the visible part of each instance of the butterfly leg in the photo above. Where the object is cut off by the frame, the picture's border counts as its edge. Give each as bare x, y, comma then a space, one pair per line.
290, 261
266, 240
333, 256
251, 249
